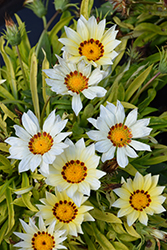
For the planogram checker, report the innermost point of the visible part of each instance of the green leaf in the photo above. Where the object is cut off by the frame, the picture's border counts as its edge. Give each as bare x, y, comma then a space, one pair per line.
24, 46
101, 239
3, 230
26, 197
9, 113
137, 83
59, 26
121, 50
90, 244
119, 245
104, 216
33, 85
5, 186
4, 147
11, 220
45, 65
6, 166
9, 67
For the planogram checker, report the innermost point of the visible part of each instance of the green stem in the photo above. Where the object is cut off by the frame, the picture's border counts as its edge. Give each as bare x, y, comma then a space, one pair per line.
44, 21
45, 29
43, 111
22, 68
144, 87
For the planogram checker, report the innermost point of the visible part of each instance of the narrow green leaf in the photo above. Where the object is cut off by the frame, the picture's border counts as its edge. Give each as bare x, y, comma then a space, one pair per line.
119, 245
4, 147
59, 26
26, 197
24, 46
10, 71
45, 65
101, 239
137, 83
104, 216
33, 85
9, 113
11, 220
3, 230
85, 9
5, 185
90, 244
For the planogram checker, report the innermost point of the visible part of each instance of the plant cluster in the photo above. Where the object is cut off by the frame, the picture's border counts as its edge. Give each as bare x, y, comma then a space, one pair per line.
82, 163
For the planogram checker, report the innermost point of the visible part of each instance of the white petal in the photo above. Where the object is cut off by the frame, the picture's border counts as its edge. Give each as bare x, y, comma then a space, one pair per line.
122, 158
143, 218
138, 181
130, 152
139, 145
131, 118
120, 113
22, 133
31, 127
103, 145
96, 135
93, 92
76, 104
132, 217
109, 154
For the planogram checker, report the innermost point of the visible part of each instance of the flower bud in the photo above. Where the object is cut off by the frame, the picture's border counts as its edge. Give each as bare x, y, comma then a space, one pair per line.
163, 61
161, 235
37, 6
12, 33
61, 4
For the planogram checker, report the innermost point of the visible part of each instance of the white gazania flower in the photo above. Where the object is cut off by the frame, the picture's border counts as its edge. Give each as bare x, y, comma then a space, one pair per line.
65, 212
115, 134
74, 79
41, 238
75, 171
91, 42
139, 198
36, 147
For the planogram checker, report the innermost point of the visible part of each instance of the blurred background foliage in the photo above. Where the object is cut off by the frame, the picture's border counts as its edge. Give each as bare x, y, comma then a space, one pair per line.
136, 78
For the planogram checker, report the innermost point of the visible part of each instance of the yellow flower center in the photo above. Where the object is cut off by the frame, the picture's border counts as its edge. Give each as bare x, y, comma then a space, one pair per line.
74, 171
65, 211
76, 82
139, 200
92, 49
40, 143
120, 135
43, 241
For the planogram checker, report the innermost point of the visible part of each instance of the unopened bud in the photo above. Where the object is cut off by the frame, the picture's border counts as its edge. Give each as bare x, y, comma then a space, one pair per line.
37, 6
163, 61
161, 235
61, 4
12, 33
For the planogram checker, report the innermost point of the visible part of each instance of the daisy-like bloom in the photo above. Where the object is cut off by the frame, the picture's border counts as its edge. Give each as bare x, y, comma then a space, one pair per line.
75, 171
115, 134
74, 79
139, 198
62, 209
91, 42
36, 147
42, 238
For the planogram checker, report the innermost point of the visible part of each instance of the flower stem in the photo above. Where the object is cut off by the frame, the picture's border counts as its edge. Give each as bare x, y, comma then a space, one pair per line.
45, 29
22, 68
144, 87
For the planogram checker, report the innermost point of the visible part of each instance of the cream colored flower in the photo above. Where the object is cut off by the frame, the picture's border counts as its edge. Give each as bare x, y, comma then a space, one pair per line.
74, 79
91, 42
117, 133
139, 198
36, 147
75, 171
41, 238
65, 212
